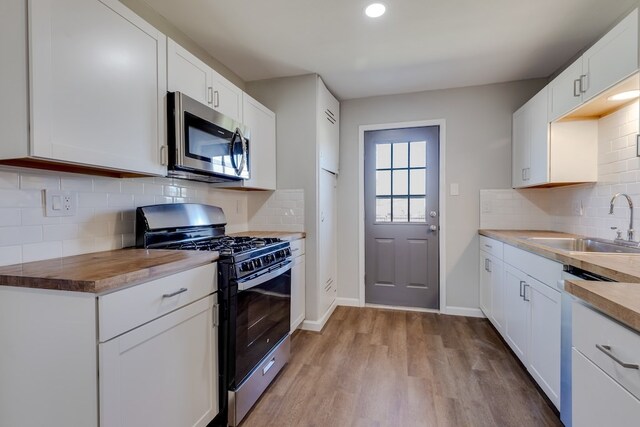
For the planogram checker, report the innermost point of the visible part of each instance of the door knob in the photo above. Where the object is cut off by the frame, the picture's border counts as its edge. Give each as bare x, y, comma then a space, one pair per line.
433, 227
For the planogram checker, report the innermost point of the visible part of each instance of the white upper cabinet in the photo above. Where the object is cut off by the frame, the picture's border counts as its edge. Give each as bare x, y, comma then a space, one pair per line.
191, 76
98, 81
188, 74
262, 144
564, 91
613, 58
328, 112
521, 147
226, 97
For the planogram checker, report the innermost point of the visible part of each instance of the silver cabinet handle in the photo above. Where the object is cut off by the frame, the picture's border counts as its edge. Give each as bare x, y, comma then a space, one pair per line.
486, 268
269, 365
488, 246
521, 283
216, 99
489, 265
173, 294
524, 291
606, 349
583, 85
523, 175
577, 90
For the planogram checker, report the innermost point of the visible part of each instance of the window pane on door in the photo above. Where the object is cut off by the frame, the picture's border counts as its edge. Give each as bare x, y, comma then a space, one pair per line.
400, 209
400, 182
383, 183
400, 155
417, 210
418, 182
383, 156
418, 154
383, 210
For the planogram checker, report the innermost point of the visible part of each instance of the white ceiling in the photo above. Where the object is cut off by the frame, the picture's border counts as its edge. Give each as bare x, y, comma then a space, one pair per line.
417, 45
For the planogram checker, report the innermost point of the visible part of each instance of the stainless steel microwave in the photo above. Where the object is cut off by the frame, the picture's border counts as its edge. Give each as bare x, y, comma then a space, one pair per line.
205, 145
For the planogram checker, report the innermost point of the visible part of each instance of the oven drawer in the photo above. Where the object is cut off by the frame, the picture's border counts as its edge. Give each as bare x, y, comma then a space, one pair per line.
247, 394
297, 247
121, 311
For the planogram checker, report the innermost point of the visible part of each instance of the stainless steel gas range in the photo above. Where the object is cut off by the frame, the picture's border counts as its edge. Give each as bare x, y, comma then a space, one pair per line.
254, 280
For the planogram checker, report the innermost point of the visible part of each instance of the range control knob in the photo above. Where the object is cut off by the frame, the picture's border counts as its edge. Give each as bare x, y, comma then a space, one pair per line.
257, 263
246, 266
287, 251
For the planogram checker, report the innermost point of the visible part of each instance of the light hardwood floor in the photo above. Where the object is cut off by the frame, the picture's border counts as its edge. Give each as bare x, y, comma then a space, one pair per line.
373, 367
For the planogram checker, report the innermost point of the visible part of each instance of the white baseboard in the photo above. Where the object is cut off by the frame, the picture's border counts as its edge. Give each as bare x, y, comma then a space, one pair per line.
348, 302
317, 325
463, 311
400, 308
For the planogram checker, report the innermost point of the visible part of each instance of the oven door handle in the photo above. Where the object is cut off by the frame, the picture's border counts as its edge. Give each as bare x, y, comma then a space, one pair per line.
248, 284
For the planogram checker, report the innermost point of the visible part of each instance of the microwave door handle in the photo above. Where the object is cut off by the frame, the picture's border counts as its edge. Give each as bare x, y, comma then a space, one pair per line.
243, 163
232, 150
238, 137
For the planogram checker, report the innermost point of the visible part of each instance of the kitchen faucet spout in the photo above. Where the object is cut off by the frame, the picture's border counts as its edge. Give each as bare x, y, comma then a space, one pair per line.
630, 232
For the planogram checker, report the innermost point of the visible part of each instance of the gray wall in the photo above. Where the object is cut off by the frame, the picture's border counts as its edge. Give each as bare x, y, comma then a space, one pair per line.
478, 155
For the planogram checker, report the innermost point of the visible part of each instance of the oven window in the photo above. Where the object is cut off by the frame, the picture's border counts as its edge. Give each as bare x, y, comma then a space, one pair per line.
262, 321
206, 141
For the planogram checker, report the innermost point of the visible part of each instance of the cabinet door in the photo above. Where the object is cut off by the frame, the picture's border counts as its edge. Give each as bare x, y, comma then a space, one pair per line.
485, 283
597, 399
327, 239
328, 117
516, 312
521, 143
537, 116
297, 292
497, 294
188, 74
164, 373
544, 349
227, 97
613, 58
98, 83
564, 91
262, 144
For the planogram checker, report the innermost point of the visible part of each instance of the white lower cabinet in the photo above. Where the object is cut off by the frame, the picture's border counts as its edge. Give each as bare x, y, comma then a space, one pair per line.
518, 295
298, 293
141, 356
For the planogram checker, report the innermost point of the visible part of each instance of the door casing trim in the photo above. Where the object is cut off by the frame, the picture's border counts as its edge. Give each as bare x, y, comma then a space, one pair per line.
441, 200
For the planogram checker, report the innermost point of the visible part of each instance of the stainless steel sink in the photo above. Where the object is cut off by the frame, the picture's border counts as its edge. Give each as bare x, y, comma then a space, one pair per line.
571, 244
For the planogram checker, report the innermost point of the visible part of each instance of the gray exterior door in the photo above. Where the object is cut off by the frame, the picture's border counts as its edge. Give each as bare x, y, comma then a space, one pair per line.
402, 217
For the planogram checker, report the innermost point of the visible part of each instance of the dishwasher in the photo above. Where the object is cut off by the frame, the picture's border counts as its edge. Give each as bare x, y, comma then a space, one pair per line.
569, 273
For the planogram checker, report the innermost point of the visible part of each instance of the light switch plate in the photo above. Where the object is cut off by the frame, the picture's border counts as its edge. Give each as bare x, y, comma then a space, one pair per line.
454, 189
60, 203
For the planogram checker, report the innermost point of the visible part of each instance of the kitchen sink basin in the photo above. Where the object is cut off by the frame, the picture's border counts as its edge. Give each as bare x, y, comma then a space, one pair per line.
575, 244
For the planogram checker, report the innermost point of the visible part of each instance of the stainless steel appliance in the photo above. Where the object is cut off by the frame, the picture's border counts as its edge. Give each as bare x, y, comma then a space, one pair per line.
254, 281
566, 342
205, 145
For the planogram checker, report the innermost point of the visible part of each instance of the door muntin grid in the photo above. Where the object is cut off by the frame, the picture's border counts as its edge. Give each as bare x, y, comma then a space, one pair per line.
401, 174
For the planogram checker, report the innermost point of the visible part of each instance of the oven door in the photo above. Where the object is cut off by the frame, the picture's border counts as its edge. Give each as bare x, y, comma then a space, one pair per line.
262, 320
205, 141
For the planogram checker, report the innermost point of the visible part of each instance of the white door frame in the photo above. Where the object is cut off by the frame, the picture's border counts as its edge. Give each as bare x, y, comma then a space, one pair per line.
441, 196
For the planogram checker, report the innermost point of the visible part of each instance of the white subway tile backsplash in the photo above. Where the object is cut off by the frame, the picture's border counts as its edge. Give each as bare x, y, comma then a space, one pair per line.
40, 251
105, 218
281, 210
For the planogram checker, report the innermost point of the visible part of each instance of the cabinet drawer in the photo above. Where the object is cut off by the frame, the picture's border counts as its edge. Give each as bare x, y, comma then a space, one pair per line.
491, 246
545, 270
129, 308
597, 399
591, 328
297, 247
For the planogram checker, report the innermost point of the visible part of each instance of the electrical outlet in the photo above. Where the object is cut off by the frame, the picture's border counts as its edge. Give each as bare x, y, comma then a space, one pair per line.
577, 208
486, 206
60, 203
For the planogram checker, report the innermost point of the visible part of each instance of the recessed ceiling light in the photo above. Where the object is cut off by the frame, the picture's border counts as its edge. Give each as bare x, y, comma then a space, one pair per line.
624, 96
375, 10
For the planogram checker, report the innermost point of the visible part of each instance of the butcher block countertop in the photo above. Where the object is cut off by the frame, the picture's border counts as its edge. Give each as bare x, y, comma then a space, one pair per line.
284, 235
619, 300
102, 272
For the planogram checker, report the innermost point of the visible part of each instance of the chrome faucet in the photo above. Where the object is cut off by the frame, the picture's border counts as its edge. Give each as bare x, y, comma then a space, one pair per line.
613, 199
